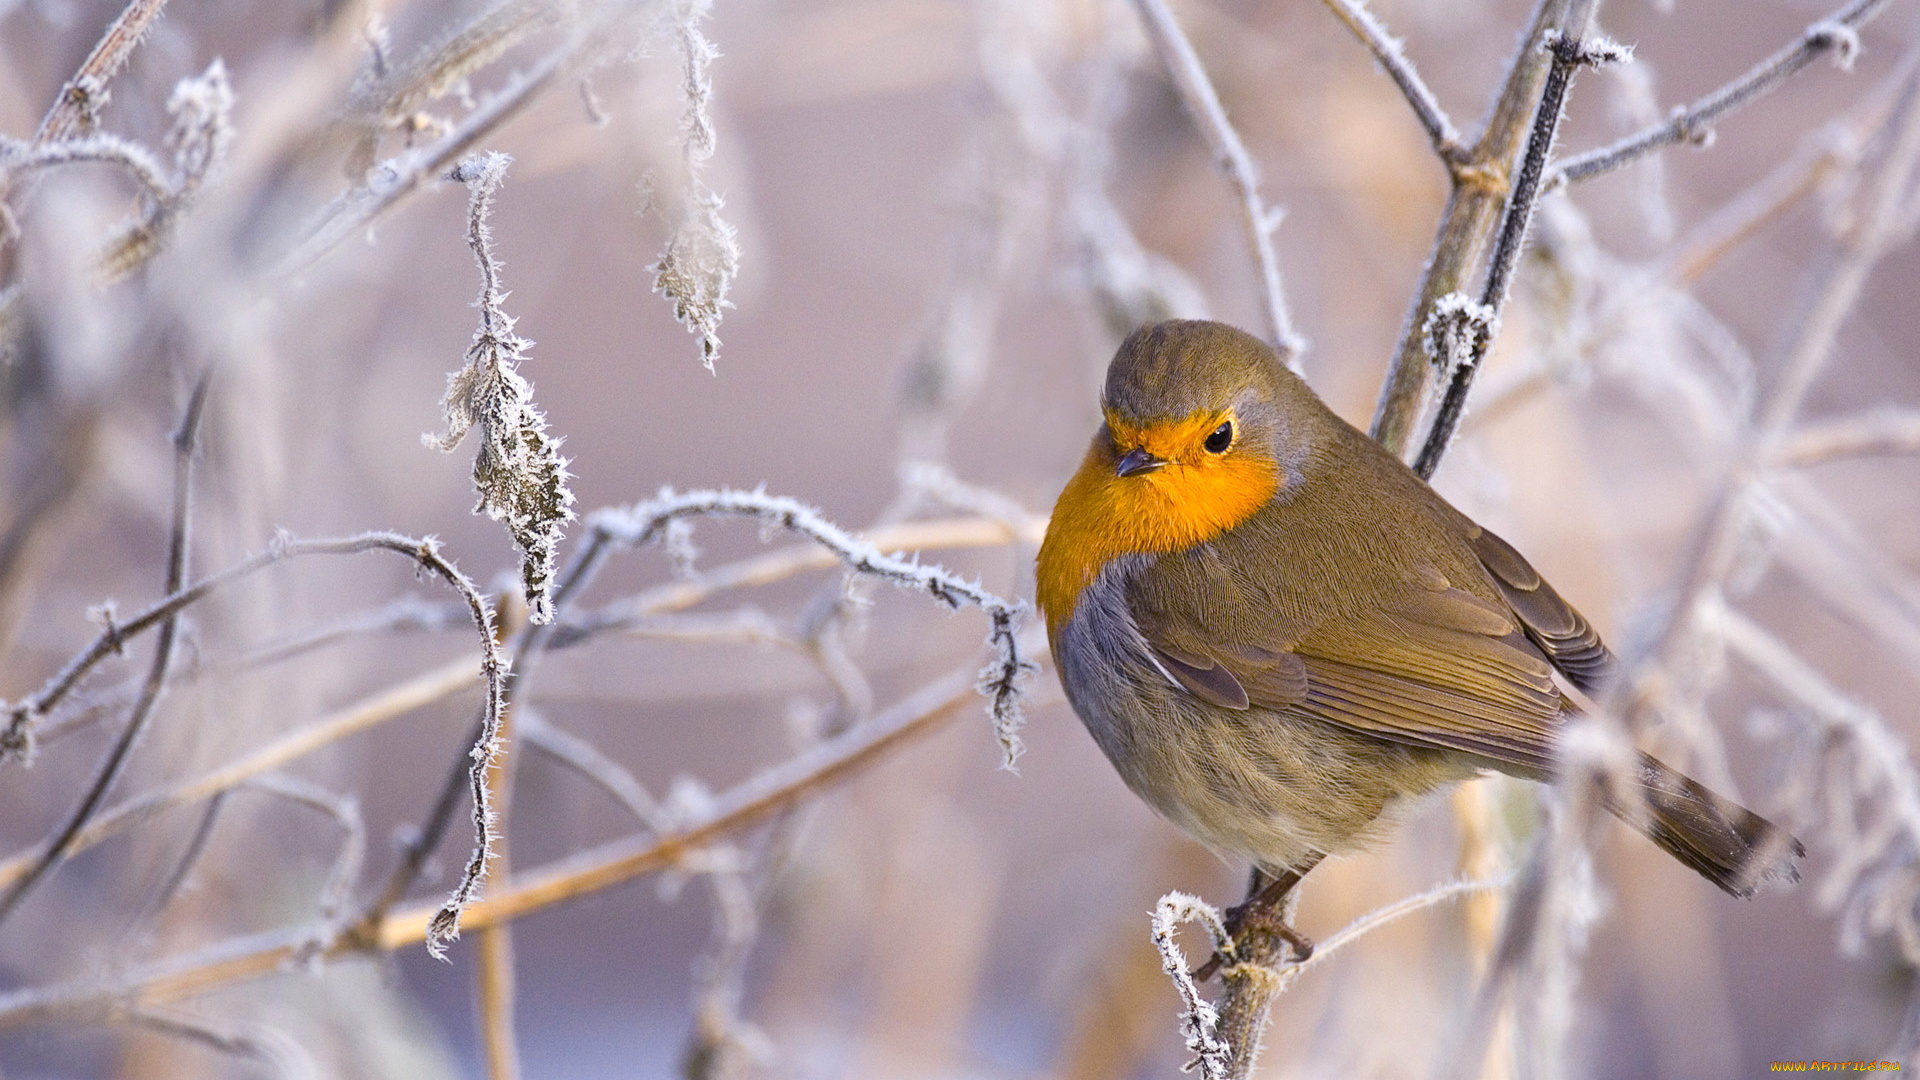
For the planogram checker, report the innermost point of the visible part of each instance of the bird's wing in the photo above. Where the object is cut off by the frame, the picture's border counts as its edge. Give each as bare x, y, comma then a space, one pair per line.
1439, 667
1568, 640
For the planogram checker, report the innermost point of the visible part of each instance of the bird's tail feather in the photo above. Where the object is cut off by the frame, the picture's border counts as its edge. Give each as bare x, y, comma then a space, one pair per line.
1728, 844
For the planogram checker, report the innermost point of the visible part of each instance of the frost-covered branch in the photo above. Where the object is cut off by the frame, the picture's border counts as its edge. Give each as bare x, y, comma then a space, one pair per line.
1001, 681
521, 477
1388, 51
1836, 35
1259, 220
696, 268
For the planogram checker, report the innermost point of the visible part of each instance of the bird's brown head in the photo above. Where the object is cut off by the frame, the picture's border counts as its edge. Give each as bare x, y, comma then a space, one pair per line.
1204, 426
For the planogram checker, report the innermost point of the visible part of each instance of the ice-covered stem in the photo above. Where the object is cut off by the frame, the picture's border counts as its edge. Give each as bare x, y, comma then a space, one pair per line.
1886, 193
83, 95
702, 256
1387, 50
1259, 220
1198, 1018
1480, 188
1469, 328
185, 441
521, 477
17, 738
202, 111
1000, 681
1836, 35
19, 158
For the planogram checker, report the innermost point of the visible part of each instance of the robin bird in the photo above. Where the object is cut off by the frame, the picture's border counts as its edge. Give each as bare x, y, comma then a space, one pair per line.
1280, 635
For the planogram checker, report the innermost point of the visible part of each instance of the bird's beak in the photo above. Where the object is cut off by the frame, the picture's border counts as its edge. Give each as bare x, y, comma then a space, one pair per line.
1137, 461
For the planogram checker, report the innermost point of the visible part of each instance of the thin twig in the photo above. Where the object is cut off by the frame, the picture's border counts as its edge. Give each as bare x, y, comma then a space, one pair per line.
1387, 50
1002, 681
823, 766
284, 1056
591, 762
427, 554
1257, 218
83, 95
185, 440
1879, 431
1835, 34
388, 704
1467, 228
189, 858
397, 177
344, 810
1476, 325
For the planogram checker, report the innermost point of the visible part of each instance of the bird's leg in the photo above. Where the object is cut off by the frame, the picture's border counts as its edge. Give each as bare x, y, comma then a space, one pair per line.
1265, 911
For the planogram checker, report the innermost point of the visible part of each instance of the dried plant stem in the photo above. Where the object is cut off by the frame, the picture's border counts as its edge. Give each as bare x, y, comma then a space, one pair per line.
1879, 431
1466, 229
831, 762
1840, 275
1259, 220
57, 848
1387, 50
823, 765
389, 704
359, 207
1835, 34
83, 94
496, 981
1477, 324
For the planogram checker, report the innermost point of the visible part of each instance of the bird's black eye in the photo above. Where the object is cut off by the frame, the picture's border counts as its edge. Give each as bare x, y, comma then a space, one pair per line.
1221, 438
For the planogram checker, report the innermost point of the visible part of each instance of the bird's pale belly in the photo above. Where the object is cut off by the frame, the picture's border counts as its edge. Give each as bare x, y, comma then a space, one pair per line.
1273, 787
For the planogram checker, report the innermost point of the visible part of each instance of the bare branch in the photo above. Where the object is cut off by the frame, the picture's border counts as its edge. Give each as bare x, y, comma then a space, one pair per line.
1885, 430
1836, 35
1482, 321
1001, 681
1230, 154
1387, 50
83, 95
185, 440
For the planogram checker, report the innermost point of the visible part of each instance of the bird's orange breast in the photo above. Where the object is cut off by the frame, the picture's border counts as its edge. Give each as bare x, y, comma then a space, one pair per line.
1102, 516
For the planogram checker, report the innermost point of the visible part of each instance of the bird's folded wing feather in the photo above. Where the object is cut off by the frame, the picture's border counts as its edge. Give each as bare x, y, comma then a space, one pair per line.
1439, 668
1568, 640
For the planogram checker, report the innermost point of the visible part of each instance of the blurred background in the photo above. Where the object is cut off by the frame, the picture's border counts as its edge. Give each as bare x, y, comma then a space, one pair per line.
947, 215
